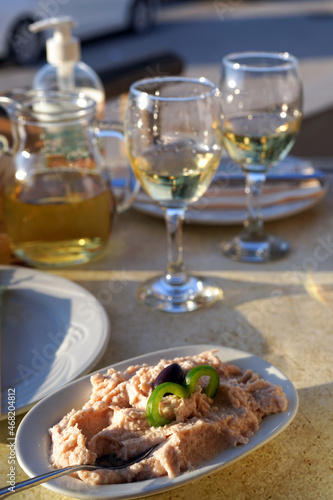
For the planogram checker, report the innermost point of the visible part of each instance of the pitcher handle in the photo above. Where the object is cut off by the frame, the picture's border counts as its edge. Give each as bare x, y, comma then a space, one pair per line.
4, 145
102, 129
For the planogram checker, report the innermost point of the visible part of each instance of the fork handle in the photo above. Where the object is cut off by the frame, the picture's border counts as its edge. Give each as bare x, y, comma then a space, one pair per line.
42, 478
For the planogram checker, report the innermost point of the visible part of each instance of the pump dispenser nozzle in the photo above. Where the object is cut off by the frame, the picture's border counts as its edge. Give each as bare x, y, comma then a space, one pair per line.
64, 71
62, 47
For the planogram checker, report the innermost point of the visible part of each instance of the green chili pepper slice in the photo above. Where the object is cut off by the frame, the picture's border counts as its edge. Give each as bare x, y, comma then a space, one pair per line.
154, 417
152, 411
197, 372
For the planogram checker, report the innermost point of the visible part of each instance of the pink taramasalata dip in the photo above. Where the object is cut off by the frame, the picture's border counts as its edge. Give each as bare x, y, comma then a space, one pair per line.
114, 421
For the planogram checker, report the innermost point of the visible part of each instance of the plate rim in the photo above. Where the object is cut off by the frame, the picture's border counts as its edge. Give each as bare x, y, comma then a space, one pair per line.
201, 217
164, 483
195, 216
71, 286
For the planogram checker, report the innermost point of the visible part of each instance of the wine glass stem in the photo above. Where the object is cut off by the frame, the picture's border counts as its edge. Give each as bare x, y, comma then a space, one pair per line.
175, 274
254, 224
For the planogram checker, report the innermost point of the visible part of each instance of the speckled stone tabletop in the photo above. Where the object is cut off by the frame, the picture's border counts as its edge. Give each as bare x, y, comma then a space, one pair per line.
280, 311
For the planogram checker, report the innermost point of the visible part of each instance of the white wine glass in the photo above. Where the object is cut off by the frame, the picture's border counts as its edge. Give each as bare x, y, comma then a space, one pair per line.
173, 136
261, 96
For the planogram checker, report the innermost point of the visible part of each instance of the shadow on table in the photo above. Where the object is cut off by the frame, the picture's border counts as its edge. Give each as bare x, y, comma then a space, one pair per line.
254, 316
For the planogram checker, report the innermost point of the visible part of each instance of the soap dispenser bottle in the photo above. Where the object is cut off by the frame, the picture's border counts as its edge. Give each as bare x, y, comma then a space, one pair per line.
64, 70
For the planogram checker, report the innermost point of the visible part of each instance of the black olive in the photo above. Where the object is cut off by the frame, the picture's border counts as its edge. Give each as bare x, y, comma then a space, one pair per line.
171, 373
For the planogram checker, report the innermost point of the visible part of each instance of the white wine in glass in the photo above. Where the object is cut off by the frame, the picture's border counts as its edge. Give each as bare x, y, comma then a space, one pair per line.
173, 136
178, 176
262, 114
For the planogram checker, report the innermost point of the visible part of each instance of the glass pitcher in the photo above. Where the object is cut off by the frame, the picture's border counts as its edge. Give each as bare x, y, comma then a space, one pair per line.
57, 199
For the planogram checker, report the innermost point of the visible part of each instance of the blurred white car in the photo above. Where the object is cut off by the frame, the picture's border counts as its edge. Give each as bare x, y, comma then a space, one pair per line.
94, 18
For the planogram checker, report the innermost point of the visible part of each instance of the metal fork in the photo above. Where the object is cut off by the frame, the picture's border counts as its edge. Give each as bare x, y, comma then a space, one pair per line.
104, 462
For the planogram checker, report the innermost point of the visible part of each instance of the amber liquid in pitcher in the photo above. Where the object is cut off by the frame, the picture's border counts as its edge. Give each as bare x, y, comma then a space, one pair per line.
58, 216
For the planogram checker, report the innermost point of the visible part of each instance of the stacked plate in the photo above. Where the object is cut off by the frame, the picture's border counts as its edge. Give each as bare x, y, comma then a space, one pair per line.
291, 187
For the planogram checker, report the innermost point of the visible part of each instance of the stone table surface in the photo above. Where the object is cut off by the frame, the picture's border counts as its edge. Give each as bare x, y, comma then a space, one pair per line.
281, 311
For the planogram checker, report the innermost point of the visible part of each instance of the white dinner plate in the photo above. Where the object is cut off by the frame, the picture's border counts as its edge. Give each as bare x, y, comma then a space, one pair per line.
33, 441
52, 331
292, 187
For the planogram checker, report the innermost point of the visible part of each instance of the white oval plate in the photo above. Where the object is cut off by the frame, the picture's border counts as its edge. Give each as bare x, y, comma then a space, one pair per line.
33, 441
52, 331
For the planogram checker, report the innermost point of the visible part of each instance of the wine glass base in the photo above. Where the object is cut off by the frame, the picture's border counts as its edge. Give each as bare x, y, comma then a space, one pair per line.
196, 293
266, 250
